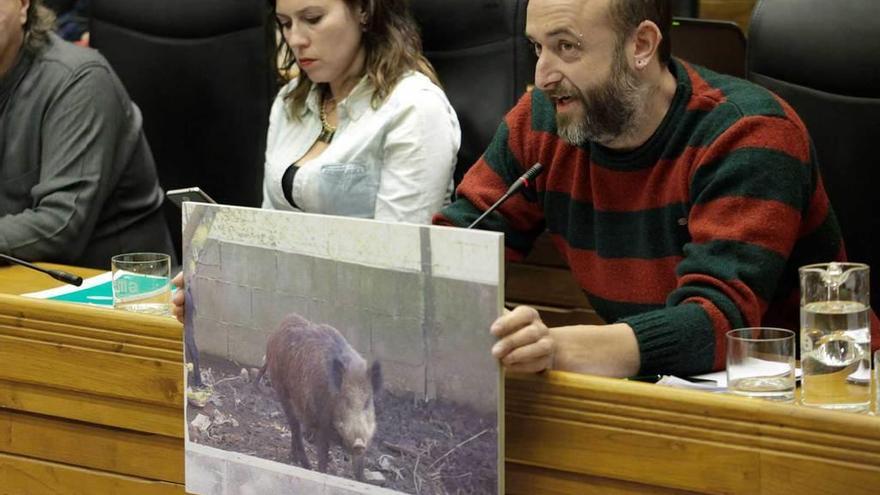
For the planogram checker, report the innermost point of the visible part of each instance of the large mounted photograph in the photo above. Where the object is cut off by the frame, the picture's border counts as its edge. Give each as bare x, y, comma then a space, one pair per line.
335, 355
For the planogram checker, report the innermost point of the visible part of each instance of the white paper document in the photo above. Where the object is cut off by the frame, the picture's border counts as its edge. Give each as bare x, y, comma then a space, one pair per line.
717, 381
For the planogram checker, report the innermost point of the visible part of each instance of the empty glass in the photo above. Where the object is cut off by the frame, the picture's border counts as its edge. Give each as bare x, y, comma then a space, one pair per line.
760, 363
836, 336
142, 282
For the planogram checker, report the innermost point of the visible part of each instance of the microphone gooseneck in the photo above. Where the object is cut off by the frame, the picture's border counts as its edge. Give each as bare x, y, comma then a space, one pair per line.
67, 278
523, 180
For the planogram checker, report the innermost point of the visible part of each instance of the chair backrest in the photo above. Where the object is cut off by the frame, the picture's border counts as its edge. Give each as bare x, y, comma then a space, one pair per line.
685, 8
822, 57
717, 45
200, 72
483, 60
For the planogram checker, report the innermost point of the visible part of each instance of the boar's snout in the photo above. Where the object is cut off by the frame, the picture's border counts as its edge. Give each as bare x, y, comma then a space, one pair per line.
359, 446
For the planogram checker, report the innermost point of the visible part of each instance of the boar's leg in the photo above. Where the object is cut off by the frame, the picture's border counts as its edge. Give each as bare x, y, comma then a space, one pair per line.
323, 446
357, 465
189, 340
297, 449
260, 375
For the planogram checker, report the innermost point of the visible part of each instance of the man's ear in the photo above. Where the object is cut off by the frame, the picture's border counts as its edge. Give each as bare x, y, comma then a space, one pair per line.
646, 44
25, 4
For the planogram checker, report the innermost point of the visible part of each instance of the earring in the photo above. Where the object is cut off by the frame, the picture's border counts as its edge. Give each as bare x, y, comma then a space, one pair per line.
641, 62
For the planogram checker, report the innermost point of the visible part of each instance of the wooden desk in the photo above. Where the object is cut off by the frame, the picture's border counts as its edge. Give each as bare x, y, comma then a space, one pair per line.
91, 399
569, 433
91, 403
19, 280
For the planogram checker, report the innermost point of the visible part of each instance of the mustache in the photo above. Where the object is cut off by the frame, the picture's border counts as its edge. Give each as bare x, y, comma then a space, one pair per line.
563, 91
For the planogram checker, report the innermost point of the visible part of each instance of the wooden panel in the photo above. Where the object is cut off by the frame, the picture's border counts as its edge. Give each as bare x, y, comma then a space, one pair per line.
47, 315
686, 440
530, 480
102, 342
106, 411
91, 399
91, 350
106, 449
548, 286
544, 253
109, 374
794, 474
23, 476
544, 281
738, 11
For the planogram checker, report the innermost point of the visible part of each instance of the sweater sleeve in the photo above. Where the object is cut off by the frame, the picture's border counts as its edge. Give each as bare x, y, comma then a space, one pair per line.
754, 192
80, 132
521, 217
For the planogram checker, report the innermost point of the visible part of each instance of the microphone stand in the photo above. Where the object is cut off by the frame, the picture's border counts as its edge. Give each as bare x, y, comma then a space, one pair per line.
67, 278
523, 180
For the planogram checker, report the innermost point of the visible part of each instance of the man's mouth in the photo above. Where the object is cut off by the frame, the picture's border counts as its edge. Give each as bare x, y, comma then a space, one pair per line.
563, 101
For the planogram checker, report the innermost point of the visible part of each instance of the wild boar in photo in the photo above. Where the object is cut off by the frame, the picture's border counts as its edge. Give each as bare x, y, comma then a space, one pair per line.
324, 386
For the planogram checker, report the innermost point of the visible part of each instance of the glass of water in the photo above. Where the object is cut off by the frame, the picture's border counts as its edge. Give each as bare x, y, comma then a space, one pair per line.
836, 336
760, 363
142, 282
877, 382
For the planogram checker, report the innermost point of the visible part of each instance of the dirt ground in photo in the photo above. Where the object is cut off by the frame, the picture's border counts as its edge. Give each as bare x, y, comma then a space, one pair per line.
420, 447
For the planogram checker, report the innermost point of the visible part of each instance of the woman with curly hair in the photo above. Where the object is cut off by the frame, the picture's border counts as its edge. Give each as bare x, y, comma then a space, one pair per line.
362, 128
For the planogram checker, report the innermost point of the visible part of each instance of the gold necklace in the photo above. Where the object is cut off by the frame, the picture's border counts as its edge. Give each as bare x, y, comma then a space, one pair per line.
327, 131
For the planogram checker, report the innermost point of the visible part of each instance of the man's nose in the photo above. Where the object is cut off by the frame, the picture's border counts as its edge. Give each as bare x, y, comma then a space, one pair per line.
546, 73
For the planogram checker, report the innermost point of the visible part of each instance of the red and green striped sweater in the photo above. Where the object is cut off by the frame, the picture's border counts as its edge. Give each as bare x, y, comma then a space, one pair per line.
698, 231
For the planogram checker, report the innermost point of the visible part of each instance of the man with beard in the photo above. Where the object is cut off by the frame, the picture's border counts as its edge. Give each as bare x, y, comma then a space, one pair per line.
683, 200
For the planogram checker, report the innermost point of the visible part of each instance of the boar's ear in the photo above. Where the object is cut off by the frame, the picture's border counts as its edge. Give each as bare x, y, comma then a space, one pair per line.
376, 376
337, 371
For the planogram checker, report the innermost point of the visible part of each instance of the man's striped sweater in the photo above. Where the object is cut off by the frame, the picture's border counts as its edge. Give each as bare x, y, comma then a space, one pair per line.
698, 231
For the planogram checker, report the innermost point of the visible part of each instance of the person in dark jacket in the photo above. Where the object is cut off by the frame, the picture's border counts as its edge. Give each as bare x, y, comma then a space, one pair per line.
77, 178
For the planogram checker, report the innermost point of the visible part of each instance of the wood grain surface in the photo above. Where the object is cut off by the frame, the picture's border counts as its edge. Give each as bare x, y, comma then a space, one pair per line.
91, 403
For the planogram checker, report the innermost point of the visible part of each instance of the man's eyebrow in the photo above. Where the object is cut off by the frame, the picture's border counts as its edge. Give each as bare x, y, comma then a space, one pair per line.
556, 32
563, 31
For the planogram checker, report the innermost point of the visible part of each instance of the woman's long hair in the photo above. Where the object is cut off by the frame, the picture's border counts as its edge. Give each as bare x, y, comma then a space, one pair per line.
392, 47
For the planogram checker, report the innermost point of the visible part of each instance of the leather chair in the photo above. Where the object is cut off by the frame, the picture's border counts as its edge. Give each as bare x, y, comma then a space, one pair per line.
59, 6
685, 8
716, 45
822, 57
200, 72
484, 62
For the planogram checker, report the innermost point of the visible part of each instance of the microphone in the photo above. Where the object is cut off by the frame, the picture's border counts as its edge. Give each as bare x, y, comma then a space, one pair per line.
67, 278
523, 180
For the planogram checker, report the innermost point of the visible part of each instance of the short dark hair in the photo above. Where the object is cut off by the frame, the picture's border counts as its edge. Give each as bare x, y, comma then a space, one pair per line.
628, 14
40, 22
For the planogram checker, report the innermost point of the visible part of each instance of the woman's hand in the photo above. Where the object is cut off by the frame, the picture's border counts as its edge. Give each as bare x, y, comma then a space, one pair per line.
178, 302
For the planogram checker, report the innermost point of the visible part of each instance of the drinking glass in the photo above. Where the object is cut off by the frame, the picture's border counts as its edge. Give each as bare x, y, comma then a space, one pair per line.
836, 336
142, 282
877, 382
760, 363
